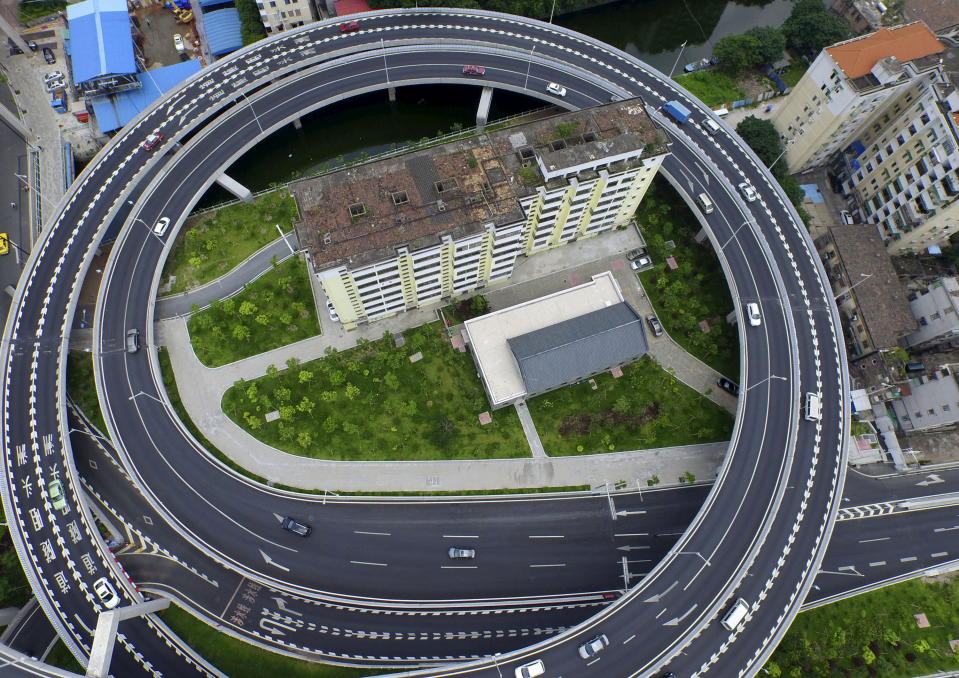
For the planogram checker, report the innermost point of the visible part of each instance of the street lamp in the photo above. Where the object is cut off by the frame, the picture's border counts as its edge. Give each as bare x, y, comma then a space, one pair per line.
385, 66
865, 277
529, 64
681, 48
252, 110
496, 664
551, 10
785, 148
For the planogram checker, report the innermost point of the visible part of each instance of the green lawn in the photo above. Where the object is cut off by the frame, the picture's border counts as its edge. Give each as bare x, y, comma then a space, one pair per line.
696, 290
35, 10
874, 634
213, 243
238, 659
82, 387
372, 403
712, 87
275, 310
794, 73
646, 407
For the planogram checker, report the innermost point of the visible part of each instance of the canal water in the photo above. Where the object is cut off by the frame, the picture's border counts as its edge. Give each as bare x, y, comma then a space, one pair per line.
653, 30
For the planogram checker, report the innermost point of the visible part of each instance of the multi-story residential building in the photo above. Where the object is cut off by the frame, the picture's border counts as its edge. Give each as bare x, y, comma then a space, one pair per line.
937, 312
929, 401
872, 303
903, 166
280, 15
862, 15
430, 225
846, 85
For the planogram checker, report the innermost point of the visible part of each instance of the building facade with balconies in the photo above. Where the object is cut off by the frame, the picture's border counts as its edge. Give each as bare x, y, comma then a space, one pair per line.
431, 225
903, 166
281, 15
847, 85
937, 312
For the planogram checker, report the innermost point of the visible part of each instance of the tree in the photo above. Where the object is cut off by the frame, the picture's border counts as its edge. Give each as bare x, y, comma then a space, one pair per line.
305, 376
241, 332
762, 137
247, 308
304, 439
810, 27
771, 41
738, 52
292, 363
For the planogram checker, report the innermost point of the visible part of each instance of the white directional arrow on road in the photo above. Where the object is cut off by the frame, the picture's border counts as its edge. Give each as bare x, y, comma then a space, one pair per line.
270, 561
629, 513
631, 548
281, 606
658, 596
675, 620
932, 479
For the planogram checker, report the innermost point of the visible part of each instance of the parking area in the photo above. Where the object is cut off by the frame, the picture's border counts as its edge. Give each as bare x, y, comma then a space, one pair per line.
158, 25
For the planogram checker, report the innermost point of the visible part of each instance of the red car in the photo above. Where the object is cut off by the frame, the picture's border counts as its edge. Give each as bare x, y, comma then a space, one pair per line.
474, 70
152, 141
349, 27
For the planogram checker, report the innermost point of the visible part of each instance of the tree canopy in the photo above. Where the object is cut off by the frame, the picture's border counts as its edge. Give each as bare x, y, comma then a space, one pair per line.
771, 43
810, 27
738, 52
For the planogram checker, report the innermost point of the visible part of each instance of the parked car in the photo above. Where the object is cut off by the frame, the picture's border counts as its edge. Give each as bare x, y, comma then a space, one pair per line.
133, 340
161, 226
178, 43
531, 670
57, 498
334, 316
641, 264
14, 48
296, 527
152, 141
729, 387
32, 45
554, 88
350, 27
49, 56
593, 647
106, 593
752, 312
53, 85
654, 325
748, 192
457, 553
636, 253
4, 244
53, 75
474, 70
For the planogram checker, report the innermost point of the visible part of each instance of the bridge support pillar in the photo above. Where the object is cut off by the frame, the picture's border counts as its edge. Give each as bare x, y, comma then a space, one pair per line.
14, 35
235, 187
297, 123
391, 91
482, 112
106, 634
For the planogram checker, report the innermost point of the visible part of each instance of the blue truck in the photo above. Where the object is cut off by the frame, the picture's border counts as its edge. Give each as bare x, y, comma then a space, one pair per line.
677, 111
58, 100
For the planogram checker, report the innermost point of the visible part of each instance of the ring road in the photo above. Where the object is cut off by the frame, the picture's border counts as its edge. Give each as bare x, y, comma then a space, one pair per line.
763, 528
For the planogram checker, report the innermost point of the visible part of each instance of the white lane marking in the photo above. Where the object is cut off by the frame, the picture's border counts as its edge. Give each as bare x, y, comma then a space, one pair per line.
458, 567
547, 536
866, 541
460, 536
550, 565
360, 562
877, 563
376, 534
941, 554
907, 559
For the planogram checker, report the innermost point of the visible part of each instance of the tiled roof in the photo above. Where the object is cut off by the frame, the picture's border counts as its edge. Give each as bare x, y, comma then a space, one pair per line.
857, 57
937, 14
569, 350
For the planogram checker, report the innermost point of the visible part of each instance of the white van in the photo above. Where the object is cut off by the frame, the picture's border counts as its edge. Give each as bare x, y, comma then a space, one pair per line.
721, 112
711, 125
813, 407
735, 615
705, 203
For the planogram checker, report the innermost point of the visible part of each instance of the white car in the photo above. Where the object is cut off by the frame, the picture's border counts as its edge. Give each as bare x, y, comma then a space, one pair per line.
531, 670
641, 264
106, 593
752, 312
178, 43
554, 88
334, 316
594, 646
748, 192
161, 226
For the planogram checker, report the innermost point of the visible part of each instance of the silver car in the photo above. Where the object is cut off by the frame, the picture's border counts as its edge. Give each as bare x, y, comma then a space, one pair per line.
457, 553
593, 647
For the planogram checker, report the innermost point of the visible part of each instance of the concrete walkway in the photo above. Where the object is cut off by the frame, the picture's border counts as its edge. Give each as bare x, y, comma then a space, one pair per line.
533, 277
529, 430
230, 283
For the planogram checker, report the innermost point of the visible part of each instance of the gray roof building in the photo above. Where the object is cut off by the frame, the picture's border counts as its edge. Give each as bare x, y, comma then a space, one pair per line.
570, 350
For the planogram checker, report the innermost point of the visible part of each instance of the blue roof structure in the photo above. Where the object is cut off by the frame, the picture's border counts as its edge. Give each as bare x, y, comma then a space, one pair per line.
206, 4
116, 110
101, 42
223, 31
